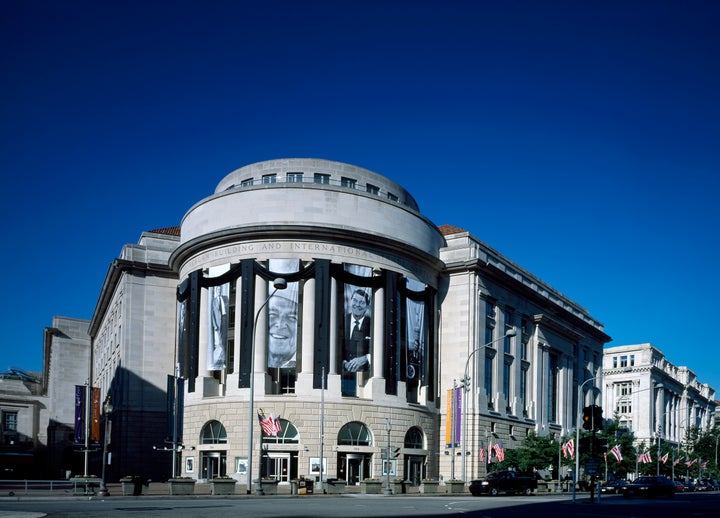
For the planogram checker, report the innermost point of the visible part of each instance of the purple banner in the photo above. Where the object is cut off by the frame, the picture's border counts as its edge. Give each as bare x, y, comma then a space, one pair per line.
79, 413
458, 415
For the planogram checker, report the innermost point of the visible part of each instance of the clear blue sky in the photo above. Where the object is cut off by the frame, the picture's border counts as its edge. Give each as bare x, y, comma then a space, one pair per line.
580, 139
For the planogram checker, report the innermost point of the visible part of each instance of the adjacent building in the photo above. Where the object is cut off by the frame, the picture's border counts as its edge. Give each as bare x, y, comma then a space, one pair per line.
652, 397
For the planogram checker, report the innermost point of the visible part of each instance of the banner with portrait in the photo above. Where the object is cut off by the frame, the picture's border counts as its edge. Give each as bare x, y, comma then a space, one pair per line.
218, 307
416, 338
283, 328
357, 330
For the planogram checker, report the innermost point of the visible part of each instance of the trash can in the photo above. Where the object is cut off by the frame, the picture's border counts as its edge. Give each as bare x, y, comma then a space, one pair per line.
294, 487
309, 485
137, 486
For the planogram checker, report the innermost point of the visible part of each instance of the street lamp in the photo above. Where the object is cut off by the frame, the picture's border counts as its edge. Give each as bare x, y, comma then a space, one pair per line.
466, 387
108, 408
577, 433
388, 427
278, 284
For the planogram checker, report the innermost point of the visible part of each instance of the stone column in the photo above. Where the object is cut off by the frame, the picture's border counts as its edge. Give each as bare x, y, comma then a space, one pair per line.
308, 328
378, 356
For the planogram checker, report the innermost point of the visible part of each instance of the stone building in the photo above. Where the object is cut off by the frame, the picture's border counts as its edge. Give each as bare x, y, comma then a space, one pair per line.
319, 291
652, 397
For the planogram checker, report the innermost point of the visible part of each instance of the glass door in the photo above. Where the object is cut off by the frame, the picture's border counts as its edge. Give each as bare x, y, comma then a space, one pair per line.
212, 464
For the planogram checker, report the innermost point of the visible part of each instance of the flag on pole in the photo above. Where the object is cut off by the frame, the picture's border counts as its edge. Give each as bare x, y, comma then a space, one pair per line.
703, 465
616, 452
270, 425
645, 458
664, 458
482, 452
499, 451
676, 461
568, 449
690, 462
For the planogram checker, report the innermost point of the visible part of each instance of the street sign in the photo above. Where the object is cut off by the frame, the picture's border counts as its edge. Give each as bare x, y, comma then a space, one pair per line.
592, 466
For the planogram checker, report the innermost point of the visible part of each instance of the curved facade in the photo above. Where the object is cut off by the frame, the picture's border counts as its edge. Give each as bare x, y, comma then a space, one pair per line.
347, 349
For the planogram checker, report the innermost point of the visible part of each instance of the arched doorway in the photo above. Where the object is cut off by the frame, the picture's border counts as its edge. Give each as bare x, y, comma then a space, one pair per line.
213, 463
352, 466
414, 463
280, 461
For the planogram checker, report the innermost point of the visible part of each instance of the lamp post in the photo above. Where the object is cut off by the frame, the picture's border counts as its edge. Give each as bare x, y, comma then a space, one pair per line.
278, 284
577, 433
466, 387
388, 427
108, 408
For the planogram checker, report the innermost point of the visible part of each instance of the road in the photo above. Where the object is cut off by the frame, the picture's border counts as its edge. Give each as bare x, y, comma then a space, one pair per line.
356, 505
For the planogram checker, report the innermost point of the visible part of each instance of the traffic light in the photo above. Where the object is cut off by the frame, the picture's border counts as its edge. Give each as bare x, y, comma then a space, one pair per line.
588, 418
597, 419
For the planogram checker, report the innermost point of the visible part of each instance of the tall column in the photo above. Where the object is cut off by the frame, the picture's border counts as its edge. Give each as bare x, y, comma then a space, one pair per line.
659, 398
334, 338
308, 327
378, 358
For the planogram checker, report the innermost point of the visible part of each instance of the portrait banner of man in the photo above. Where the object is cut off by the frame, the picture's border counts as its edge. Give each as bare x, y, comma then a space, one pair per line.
218, 321
357, 350
283, 318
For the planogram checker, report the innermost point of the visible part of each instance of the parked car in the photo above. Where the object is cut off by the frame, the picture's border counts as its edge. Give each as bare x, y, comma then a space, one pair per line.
680, 486
614, 486
650, 487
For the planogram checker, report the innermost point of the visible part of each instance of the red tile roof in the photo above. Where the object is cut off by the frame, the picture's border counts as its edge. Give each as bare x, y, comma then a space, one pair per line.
170, 231
446, 230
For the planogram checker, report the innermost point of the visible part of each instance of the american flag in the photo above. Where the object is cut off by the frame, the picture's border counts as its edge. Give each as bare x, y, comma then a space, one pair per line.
690, 462
482, 453
616, 452
664, 458
568, 449
645, 458
704, 465
676, 461
499, 451
270, 425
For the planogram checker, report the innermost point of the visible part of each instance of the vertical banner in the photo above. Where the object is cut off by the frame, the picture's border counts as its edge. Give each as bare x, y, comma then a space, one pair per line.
415, 318
95, 414
218, 321
79, 412
357, 333
458, 415
454, 417
283, 318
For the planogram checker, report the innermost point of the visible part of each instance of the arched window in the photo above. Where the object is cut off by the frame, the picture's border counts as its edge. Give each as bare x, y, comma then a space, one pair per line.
213, 433
354, 434
288, 434
414, 438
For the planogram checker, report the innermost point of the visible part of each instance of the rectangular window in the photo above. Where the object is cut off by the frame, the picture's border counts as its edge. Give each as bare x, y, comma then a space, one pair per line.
623, 361
553, 395
614, 362
322, 178
348, 182
10, 421
372, 189
294, 177
392, 197
506, 383
489, 380
632, 360
246, 183
269, 178
508, 317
